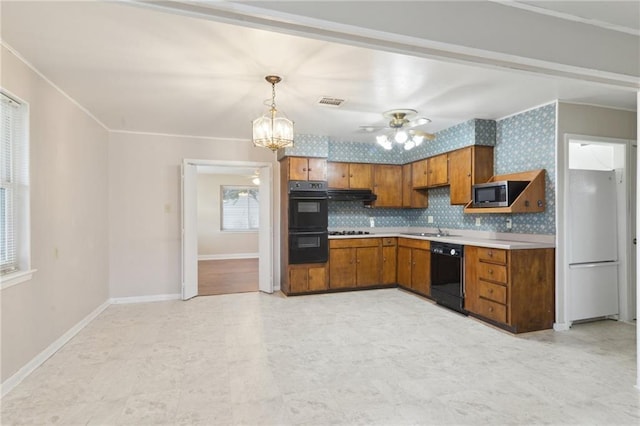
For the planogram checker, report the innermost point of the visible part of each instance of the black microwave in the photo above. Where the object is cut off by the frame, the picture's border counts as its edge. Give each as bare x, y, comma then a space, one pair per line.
497, 194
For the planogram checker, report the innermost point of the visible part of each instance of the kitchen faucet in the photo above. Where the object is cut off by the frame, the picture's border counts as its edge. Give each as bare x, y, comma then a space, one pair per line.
441, 232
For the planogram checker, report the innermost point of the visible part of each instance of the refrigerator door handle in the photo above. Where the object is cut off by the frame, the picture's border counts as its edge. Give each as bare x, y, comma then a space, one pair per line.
592, 265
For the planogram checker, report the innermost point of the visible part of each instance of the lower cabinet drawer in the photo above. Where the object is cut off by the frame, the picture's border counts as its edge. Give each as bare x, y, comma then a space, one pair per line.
492, 310
495, 292
492, 272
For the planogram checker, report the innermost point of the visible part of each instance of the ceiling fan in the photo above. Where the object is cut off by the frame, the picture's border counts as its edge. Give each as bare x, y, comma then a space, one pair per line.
401, 129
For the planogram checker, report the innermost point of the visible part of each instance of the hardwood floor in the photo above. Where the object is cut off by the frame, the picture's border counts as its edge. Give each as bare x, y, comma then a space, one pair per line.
227, 276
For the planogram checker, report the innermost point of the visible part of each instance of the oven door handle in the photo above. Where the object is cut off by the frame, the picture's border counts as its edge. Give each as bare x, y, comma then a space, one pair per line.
298, 197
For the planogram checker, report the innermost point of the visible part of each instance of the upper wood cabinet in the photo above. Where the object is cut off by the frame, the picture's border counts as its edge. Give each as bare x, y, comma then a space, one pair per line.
350, 175
302, 168
412, 198
387, 185
419, 174
438, 170
468, 166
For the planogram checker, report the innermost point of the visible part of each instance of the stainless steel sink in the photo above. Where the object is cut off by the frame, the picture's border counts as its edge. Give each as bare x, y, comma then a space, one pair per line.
428, 234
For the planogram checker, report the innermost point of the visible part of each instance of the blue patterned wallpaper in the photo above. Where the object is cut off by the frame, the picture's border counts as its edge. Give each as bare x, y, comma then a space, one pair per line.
472, 132
359, 152
306, 146
525, 141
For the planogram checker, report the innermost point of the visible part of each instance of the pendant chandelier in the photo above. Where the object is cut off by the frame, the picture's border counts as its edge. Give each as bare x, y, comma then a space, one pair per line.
273, 131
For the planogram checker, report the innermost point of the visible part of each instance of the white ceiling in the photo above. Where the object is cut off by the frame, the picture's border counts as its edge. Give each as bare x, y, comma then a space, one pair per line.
144, 70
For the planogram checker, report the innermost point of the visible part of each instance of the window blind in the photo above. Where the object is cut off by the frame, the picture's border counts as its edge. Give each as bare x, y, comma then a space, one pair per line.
12, 176
239, 208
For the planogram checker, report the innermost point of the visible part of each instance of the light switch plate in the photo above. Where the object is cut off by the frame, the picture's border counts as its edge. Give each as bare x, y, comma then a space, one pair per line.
430, 219
478, 221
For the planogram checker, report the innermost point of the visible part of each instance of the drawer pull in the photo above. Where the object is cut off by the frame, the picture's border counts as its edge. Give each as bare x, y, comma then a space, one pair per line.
490, 253
490, 271
490, 291
490, 308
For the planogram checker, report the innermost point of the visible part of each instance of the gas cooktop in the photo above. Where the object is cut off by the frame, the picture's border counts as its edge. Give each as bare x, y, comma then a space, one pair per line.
349, 233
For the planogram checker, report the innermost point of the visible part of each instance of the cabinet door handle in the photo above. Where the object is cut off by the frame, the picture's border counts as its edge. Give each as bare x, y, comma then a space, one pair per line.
490, 271
308, 170
468, 174
304, 169
490, 253
490, 291
490, 308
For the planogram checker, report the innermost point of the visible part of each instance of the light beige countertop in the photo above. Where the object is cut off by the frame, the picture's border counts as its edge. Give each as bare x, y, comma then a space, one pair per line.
504, 241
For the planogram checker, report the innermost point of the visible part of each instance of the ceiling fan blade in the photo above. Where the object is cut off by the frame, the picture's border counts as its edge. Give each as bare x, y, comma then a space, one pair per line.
418, 121
429, 136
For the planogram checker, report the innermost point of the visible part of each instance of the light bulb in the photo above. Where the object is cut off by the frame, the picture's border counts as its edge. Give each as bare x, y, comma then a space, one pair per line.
409, 145
401, 136
256, 180
418, 139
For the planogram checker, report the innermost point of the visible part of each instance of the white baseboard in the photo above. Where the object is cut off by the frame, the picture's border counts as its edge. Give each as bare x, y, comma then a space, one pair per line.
561, 326
145, 299
39, 359
228, 256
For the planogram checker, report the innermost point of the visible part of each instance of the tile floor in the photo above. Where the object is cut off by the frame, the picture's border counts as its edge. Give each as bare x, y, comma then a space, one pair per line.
362, 358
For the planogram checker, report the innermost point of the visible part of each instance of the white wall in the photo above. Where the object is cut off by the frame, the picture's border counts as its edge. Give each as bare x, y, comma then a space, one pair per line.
69, 220
211, 240
589, 121
144, 206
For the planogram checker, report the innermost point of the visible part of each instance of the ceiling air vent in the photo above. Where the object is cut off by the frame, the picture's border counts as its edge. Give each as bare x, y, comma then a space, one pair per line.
330, 102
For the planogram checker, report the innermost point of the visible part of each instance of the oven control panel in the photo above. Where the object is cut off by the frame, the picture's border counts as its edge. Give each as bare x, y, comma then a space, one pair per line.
307, 185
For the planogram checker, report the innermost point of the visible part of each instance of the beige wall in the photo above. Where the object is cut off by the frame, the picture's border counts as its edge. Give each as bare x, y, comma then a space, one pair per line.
211, 240
590, 121
68, 217
144, 206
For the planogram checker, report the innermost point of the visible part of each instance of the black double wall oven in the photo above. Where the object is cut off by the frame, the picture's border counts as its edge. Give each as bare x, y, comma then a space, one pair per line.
308, 221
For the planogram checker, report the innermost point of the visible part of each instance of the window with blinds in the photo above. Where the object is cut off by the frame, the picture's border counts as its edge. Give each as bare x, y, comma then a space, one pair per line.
14, 185
239, 208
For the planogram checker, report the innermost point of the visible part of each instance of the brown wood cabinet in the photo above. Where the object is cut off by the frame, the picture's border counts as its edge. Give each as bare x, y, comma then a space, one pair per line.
387, 185
513, 289
350, 175
412, 198
307, 278
414, 265
468, 166
354, 262
437, 170
389, 260
420, 174
302, 168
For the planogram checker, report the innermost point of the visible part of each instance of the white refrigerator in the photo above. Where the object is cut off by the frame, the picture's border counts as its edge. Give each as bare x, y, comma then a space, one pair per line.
592, 244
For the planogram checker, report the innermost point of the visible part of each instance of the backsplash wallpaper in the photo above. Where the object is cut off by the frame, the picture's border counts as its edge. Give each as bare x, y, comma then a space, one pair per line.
523, 142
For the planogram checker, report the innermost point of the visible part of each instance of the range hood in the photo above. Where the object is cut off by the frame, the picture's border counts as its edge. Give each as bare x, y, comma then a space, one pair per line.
351, 195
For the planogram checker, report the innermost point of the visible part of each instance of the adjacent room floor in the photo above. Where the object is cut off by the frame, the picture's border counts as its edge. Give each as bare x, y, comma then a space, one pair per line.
370, 357
227, 276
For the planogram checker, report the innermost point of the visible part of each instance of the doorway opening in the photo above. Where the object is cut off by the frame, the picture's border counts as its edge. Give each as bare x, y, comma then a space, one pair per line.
599, 226
227, 238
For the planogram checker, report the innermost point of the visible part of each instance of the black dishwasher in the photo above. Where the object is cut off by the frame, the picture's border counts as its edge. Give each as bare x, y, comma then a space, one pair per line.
447, 275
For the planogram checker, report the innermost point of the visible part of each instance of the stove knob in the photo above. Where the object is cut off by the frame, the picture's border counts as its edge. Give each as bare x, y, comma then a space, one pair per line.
453, 252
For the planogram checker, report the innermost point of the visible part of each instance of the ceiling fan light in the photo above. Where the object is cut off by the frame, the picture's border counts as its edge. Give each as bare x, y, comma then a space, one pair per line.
401, 136
255, 180
417, 140
409, 145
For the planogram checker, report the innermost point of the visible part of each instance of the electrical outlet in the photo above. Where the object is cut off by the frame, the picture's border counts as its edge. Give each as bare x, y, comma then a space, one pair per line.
430, 219
478, 221
509, 223
372, 222
167, 208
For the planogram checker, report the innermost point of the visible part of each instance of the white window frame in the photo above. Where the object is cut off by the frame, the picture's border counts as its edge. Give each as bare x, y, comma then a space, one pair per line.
17, 182
238, 187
